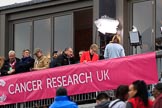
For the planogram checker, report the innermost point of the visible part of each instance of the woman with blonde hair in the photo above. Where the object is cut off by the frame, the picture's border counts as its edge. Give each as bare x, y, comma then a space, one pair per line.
3, 69
90, 55
116, 39
1, 61
114, 49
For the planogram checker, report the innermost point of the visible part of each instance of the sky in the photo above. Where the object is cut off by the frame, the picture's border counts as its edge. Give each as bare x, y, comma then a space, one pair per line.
9, 2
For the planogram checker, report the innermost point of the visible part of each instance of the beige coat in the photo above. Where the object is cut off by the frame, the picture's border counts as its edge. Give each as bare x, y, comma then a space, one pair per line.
42, 63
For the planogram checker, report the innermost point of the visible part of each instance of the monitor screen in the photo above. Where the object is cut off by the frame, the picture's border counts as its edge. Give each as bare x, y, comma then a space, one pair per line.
134, 37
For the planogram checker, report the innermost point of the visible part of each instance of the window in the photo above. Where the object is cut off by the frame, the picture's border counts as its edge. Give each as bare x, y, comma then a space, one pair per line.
42, 35
54, 34
63, 32
158, 39
142, 19
22, 36
158, 25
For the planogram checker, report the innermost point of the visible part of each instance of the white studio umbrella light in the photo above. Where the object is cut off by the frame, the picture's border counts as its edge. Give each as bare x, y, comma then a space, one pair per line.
10, 2
107, 25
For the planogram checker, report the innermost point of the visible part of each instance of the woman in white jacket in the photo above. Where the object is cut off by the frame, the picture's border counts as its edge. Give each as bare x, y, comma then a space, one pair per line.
114, 49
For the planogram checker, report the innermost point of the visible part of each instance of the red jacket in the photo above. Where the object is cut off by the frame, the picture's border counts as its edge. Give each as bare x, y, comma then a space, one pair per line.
86, 57
137, 103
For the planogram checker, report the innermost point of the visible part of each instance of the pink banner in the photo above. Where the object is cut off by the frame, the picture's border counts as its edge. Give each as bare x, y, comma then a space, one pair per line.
78, 78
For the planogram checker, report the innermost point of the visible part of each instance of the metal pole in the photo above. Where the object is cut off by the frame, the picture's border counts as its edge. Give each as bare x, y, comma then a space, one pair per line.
16, 105
136, 49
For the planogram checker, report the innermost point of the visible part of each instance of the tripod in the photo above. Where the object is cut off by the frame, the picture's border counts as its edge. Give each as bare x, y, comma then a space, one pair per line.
135, 49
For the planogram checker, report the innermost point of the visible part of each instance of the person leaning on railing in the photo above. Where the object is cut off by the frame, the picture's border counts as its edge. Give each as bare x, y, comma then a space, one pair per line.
41, 61
26, 62
66, 58
90, 55
12, 63
3, 69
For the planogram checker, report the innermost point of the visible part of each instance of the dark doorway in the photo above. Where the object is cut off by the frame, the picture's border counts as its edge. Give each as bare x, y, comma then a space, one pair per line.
83, 21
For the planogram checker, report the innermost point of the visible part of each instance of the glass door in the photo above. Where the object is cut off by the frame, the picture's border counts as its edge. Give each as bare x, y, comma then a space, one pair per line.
142, 19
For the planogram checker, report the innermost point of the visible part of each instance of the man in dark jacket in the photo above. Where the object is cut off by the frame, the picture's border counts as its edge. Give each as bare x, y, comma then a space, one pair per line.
12, 63
53, 60
26, 63
66, 58
62, 100
102, 100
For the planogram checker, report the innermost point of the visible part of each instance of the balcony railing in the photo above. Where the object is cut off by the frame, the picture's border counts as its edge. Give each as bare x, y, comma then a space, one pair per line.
80, 99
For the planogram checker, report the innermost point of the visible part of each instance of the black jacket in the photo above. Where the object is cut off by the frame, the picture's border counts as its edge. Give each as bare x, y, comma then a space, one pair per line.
64, 60
104, 104
3, 70
53, 63
25, 64
6, 66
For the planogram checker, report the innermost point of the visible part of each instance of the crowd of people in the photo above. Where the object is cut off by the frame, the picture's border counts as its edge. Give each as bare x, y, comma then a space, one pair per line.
14, 65
133, 96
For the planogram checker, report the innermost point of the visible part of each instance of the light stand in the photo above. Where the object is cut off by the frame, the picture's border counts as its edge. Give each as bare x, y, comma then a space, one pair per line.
135, 39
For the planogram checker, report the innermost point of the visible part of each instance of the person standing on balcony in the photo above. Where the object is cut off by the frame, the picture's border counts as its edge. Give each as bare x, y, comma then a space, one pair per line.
62, 100
41, 61
80, 53
12, 63
53, 60
66, 58
3, 68
26, 63
90, 55
114, 49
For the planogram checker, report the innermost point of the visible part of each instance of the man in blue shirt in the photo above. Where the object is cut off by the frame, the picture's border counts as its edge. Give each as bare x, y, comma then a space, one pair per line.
62, 100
